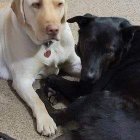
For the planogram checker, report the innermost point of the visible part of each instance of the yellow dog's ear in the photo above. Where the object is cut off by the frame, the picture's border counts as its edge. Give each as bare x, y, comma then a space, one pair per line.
17, 7
65, 14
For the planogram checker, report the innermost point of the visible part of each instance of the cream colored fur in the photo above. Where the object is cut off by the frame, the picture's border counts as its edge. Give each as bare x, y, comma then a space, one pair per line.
22, 59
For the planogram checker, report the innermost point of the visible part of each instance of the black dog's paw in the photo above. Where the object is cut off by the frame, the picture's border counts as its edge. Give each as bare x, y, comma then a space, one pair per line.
51, 80
47, 82
59, 116
53, 97
49, 88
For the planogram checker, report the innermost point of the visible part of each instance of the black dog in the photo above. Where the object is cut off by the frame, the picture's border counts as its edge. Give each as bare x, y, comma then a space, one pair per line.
109, 49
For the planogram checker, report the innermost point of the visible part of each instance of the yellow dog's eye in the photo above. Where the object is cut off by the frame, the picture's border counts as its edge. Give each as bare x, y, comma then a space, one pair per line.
60, 4
36, 5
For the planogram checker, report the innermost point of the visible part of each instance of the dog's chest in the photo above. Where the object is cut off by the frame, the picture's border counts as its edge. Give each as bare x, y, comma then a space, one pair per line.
54, 55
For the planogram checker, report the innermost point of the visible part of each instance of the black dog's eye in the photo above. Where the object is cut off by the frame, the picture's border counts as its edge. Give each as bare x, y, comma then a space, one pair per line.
110, 52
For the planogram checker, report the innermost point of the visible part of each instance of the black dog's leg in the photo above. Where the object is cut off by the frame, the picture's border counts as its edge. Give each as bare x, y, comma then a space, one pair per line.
43, 97
62, 117
5, 137
75, 112
69, 89
72, 135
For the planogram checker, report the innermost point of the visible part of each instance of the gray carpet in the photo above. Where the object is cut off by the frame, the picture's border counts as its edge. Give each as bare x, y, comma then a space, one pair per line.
15, 117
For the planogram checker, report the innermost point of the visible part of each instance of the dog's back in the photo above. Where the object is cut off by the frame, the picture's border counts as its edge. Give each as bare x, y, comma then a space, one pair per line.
102, 116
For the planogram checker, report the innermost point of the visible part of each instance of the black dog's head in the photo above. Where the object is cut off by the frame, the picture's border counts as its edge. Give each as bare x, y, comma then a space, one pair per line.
102, 41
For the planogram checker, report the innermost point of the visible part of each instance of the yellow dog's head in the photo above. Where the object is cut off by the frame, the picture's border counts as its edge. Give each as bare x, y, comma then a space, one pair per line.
42, 19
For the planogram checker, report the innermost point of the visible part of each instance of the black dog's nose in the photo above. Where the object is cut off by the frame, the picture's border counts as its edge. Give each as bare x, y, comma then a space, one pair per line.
88, 77
91, 75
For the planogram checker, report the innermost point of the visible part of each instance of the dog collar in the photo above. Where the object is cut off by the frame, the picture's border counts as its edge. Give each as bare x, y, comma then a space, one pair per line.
48, 44
47, 54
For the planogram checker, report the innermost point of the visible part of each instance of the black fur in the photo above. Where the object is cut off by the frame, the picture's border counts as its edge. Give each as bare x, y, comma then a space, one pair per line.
5, 137
109, 48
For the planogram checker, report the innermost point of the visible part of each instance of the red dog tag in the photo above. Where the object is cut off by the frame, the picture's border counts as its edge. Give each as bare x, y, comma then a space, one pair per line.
47, 53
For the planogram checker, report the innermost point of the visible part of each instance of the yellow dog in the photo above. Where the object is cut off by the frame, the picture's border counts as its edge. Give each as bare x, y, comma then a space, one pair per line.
25, 26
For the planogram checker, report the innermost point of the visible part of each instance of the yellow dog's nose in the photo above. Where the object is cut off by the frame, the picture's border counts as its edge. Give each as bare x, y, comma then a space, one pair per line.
52, 30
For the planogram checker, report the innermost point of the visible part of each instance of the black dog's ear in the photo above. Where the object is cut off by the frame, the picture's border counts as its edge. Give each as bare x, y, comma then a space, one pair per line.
125, 24
82, 20
129, 33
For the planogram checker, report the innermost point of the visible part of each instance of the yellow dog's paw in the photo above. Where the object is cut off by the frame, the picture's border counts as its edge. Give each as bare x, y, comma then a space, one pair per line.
46, 125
